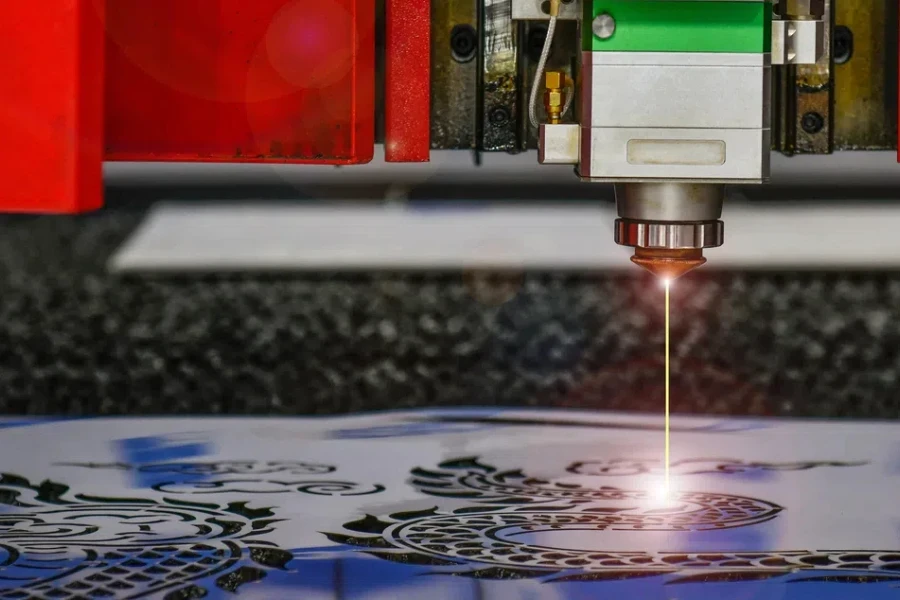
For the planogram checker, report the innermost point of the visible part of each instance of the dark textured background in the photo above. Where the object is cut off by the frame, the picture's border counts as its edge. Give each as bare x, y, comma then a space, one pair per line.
77, 340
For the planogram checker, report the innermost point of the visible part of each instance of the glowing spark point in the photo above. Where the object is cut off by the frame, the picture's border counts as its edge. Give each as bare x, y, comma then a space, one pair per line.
659, 493
668, 283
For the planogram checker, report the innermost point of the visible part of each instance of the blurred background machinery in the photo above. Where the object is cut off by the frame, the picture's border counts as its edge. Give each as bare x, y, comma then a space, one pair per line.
283, 81
309, 90
846, 101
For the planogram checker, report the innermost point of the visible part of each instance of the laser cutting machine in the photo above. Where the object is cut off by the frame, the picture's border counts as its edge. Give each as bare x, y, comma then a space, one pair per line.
669, 100
676, 102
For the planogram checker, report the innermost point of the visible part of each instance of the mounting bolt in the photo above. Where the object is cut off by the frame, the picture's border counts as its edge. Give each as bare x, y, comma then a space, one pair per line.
604, 26
843, 44
812, 122
498, 116
463, 43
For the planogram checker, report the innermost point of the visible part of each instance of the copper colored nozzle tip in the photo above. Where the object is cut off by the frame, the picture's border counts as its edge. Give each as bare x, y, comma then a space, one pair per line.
668, 264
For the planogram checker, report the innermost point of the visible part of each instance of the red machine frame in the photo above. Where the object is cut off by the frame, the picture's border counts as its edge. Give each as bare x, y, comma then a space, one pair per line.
287, 81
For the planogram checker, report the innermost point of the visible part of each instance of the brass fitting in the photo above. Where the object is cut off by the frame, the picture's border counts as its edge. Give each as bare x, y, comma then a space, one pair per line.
801, 10
554, 8
555, 96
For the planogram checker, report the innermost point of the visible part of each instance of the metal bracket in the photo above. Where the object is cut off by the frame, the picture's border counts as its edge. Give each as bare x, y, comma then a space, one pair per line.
797, 42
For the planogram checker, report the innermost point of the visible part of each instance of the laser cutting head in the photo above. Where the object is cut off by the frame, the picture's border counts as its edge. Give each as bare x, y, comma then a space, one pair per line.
675, 103
669, 224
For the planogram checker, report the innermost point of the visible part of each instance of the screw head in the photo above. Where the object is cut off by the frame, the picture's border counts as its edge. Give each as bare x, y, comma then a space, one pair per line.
843, 44
812, 123
604, 26
463, 43
498, 116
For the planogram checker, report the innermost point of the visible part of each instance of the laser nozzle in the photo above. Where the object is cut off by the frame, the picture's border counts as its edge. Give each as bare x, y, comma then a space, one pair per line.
667, 264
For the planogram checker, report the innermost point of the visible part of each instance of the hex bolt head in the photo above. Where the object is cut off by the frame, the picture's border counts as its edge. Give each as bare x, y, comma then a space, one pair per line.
812, 123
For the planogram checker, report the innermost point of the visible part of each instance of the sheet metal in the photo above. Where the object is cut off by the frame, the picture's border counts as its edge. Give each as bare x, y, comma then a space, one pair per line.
448, 504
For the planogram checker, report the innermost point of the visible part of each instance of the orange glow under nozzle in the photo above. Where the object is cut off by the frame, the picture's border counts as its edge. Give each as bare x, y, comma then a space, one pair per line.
668, 265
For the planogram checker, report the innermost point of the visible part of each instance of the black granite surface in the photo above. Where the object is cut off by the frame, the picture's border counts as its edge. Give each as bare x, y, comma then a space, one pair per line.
76, 340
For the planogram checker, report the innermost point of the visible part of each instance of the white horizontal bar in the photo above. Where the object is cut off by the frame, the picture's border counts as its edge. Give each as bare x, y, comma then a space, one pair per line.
198, 238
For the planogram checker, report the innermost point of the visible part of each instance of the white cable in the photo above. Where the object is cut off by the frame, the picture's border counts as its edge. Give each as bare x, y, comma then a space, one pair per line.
569, 99
539, 74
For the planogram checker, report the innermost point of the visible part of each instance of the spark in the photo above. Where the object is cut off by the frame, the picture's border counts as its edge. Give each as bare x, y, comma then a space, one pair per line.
668, 284
659, 494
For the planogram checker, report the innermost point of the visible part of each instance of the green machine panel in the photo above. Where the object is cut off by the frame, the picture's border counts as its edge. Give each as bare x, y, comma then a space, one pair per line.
681, 26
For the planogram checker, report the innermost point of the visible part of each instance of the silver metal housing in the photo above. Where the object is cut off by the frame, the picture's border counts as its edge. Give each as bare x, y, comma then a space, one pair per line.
670, 202
691, 116
670, 236
670, 215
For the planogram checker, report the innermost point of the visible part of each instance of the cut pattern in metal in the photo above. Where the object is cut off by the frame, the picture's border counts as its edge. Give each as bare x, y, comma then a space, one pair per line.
240, 476
484, 540
54, 544
694, 466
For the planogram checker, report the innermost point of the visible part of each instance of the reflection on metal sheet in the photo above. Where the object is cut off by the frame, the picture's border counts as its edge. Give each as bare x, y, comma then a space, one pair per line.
538, 504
